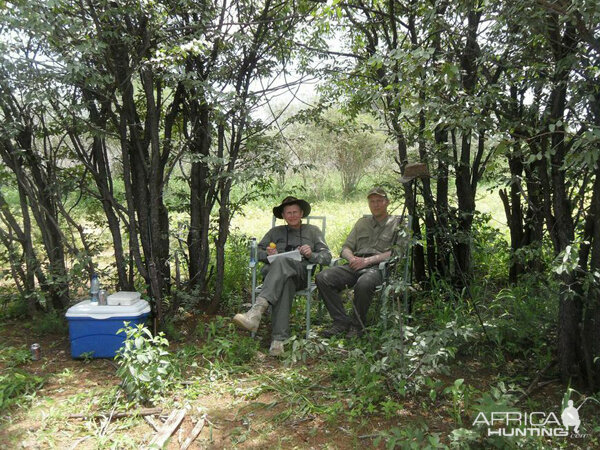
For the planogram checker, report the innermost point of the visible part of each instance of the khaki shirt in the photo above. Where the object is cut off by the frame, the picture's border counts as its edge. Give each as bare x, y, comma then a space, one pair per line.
283, 237
370, 237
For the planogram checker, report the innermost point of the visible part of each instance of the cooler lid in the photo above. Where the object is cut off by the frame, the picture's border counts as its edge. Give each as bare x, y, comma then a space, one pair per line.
95, 311
123, 298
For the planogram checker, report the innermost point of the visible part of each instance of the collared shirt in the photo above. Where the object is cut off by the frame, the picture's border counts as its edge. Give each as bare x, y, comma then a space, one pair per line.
287, 239
370, 236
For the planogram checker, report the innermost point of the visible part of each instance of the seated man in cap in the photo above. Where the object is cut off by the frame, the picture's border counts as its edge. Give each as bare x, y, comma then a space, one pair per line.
284, 276
368, 244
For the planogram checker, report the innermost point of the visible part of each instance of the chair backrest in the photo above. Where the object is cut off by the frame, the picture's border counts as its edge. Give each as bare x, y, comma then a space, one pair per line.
308, 219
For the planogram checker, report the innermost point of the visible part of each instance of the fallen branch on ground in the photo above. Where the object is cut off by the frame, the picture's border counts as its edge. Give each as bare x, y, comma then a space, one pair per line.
150, 422
535, 383
169, 427
193, 434
112, 413
139, 412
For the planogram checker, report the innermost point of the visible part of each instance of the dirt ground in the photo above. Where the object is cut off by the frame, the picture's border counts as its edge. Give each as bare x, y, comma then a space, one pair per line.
233, 419
232, 422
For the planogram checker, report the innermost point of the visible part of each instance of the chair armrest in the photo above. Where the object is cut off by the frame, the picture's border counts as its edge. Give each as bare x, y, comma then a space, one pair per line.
384, 267
336, 262
383, 270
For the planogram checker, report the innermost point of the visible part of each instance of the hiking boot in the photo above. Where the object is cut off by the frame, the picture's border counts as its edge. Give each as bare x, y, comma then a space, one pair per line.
354, 332
251, 319
336, 329
276, 348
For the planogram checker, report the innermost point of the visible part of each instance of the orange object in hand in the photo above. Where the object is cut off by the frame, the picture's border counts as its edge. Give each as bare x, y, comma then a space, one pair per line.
272, 245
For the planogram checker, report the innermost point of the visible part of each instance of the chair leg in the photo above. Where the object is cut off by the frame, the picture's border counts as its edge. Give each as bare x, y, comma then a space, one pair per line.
253, 334
308, 299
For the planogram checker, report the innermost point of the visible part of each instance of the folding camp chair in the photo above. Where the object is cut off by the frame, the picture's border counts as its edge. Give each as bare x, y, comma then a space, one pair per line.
310, 284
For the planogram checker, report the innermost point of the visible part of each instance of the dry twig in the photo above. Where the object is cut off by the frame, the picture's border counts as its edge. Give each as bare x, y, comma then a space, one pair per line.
119, 415
194, 433
169, 427
535, 383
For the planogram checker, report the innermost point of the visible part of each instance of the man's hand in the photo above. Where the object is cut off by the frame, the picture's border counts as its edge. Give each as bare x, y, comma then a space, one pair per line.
305, 251
358, 262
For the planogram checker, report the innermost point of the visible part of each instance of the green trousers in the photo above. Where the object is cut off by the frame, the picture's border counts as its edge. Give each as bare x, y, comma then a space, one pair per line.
281, 279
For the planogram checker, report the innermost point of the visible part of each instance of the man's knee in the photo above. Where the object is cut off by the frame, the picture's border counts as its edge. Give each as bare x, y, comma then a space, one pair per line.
279, 262
322, 278
330, 279
367, 283
282, 266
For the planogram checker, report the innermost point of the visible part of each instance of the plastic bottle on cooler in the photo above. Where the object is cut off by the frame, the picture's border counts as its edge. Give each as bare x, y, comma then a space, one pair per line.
94, 288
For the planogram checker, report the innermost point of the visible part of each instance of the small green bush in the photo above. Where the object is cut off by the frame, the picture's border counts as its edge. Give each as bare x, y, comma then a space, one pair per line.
145, 365
237, 274
13, 357
49, 323
16, 383
491, 250
12, 305
223, 342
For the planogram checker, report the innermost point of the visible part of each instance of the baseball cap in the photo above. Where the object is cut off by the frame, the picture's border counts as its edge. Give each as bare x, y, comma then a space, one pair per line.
377, 191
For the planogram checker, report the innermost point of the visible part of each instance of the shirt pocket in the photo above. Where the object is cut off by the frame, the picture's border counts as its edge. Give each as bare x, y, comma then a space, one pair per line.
385, 239
363, 239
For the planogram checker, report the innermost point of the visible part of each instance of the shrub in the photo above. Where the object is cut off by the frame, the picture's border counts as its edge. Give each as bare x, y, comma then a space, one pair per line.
223, 342
237, 274
50, 323
145, 365
16, 383
13, 357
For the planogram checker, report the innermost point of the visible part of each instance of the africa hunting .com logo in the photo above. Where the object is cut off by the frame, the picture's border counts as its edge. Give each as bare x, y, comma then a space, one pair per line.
537, 423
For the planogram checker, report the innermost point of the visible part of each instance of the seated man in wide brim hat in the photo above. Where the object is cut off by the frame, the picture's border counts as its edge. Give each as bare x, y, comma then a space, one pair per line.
284, 276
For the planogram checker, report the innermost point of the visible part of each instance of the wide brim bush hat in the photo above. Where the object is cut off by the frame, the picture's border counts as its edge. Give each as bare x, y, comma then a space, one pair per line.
414, 170
303, 204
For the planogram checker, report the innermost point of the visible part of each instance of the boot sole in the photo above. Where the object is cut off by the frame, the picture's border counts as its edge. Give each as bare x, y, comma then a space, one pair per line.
240, 321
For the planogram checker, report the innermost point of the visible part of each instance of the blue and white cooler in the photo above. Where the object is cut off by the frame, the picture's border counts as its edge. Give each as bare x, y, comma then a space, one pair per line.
93, 328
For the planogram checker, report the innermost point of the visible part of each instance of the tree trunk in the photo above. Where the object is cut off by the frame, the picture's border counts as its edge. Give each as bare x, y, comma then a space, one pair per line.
466, 208
430, 223
465, 182
514, 211
40, 189
224, 221
100, 169
443, 243
201, 197
570, 306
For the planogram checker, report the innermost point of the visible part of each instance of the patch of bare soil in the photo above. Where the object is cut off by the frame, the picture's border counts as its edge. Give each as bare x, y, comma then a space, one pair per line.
75, 386
233, 420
